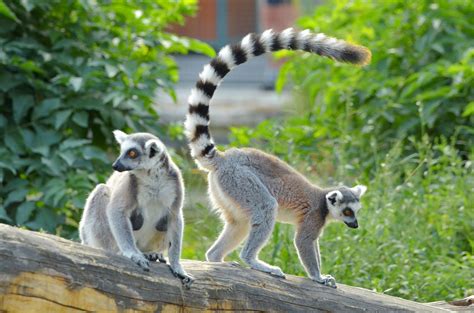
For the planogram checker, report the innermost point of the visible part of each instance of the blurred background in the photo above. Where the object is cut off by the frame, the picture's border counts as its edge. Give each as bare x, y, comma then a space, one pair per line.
71, 71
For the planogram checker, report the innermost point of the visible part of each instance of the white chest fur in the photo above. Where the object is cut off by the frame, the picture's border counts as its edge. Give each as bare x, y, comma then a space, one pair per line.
155, 198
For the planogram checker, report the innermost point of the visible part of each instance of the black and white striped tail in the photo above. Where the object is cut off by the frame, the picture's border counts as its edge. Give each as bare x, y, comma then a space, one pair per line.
197, 119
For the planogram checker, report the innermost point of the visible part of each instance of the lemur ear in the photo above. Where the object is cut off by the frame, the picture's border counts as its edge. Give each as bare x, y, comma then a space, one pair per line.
119, 136
359, 190
154, 146
334, 197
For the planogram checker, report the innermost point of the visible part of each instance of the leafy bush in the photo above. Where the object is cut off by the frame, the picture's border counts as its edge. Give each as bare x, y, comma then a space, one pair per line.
71, 72
421, 80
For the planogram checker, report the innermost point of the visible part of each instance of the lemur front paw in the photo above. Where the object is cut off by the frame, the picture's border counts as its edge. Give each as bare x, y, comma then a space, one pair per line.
141, 261
153, 257
186, 279
326, 280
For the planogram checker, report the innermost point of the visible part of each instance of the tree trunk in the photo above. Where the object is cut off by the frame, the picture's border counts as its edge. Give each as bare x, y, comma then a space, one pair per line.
45, 273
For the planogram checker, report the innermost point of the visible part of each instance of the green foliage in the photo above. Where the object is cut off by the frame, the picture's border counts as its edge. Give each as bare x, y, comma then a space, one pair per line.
71, 72
421, 80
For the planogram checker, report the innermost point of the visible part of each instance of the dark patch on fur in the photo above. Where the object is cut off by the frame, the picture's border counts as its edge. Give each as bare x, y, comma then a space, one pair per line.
136, 219
238, 54
293, 42
207, 87
332, 198
164, 160
153, 150
307, 44
354, 54
258, 48
220, 67
133, 186
200, 130
207, 149
323, 209
276, 43
162, 224
201, 109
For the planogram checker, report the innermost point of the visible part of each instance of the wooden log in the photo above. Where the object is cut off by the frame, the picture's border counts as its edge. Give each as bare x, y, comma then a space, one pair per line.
45, 273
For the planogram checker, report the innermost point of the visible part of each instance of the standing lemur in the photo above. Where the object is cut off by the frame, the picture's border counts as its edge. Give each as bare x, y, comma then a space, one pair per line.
138, 211
252, 189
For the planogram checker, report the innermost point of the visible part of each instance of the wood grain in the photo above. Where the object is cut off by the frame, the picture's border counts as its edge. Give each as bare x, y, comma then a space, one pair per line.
45, 273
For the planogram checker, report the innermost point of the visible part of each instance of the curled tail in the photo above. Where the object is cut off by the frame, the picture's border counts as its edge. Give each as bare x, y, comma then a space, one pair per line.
196, 125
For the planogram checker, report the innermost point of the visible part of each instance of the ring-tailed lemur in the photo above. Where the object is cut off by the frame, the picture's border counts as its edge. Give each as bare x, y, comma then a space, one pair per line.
138, 211
253, 189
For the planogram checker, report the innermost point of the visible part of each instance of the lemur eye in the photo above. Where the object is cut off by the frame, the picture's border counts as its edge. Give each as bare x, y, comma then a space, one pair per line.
347, 212
132, 153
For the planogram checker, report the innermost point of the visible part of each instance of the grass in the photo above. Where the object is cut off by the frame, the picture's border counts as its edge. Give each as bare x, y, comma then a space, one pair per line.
416, 233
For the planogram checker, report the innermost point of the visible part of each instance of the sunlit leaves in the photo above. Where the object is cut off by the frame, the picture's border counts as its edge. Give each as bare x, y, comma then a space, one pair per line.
70, 73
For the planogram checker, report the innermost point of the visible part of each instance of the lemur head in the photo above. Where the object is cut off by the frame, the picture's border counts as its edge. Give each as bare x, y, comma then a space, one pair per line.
343, 204
138, 151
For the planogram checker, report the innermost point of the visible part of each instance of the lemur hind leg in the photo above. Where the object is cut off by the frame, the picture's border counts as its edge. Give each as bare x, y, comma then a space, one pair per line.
246, 189
93, 227
231, 236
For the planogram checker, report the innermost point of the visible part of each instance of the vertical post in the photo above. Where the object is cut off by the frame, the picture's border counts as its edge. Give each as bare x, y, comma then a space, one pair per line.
222, 23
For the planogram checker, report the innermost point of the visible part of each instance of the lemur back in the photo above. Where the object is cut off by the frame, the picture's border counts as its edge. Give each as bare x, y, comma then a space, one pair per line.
253, 189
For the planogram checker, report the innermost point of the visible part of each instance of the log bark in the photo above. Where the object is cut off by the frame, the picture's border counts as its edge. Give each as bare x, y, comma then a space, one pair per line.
45, 273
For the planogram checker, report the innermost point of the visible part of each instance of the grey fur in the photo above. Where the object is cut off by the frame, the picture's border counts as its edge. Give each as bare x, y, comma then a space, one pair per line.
253, 190
122, 215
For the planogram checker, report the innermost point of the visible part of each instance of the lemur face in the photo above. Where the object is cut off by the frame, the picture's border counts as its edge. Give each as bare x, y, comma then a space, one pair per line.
138, 151
344, 203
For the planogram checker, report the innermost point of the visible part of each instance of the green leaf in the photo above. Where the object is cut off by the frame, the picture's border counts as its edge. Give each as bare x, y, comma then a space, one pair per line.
21, 105
52, 164
60, 117
68, 156
5, 11
76, 83
16, 195
46, 219
23, 212
73, 143
91, 152
8, 166
8, 80
201, 47
111, 70
46, 107
469, 110
14, 141
3, 215
28, 137
81, 119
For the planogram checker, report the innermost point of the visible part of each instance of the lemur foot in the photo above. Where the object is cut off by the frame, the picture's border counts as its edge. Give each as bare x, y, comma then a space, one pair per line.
153, 257
277, 272
141, 261
186, 279
272, 270
233, 263
326, 280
